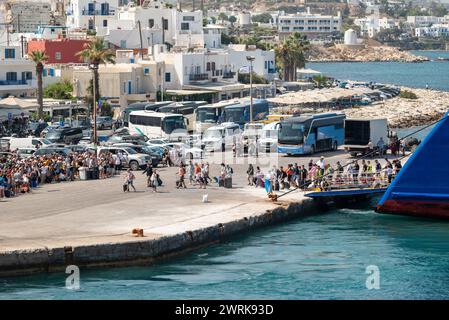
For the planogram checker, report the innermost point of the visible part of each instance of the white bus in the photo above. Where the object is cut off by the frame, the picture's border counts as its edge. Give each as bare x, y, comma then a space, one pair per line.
186, 108
158, 125
209, 115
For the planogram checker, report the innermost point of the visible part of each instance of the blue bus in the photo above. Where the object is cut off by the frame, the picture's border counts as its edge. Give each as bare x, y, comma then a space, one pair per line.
308, 134
239, 113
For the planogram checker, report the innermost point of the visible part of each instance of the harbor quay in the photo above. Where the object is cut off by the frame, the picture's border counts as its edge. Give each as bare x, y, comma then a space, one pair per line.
90, 223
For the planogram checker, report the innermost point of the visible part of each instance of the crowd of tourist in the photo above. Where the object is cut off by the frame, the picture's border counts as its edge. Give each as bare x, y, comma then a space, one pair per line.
22, 175
322, 175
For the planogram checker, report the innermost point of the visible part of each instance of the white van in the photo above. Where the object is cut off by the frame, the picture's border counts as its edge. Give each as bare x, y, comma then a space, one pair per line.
269, 137
19, 143
220, 137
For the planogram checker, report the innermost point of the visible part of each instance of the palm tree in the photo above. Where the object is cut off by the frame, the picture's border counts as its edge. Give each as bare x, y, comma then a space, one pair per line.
95, 53
39, 58
290, 55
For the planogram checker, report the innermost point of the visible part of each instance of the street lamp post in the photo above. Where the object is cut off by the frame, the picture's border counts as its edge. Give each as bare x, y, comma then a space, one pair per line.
94, 68
250, 59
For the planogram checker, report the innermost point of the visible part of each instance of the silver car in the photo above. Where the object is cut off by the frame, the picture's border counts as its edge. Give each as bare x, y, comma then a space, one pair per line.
131, 158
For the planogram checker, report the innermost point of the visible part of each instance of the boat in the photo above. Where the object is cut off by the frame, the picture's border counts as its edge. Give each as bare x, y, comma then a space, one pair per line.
442, 59
345, 196
421, 188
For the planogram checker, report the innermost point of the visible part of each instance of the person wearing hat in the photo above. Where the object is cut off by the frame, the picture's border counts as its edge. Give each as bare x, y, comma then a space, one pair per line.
321, 165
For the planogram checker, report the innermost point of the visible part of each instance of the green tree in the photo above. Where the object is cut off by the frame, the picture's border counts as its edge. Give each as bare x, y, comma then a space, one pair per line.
223, 17
290, 55
95, 53
262, 18
59, 90
232, 20
321, 81
39, 58
244, 78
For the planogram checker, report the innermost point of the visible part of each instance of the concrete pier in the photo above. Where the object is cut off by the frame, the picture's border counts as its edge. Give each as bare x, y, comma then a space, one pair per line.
89, 223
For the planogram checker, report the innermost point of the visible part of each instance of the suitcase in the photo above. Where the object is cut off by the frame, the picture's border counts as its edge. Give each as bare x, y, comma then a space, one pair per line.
228, 183
125, 187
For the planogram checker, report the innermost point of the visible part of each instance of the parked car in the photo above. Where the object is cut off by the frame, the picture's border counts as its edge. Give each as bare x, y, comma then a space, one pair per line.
84, 141
221, 136
26, 152
65, 135
35, 128
156, 157
4, 144
134, 139
133, 159
104, 123
52, 150
48, 129
30, 142
187, 152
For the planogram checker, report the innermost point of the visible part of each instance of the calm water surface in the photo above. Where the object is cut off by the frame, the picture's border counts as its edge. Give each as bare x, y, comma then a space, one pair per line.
416, 75
320, 257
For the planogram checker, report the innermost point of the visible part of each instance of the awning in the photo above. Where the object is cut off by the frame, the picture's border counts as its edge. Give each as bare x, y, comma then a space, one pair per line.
187, 92
14, 102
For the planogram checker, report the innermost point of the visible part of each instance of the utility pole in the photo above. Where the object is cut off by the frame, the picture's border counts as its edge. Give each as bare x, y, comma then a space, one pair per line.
18, 22
22, 44
95, 27
141, 44
251, 59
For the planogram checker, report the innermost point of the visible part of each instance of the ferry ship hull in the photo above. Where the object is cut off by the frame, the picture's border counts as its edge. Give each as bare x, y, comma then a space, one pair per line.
421, 188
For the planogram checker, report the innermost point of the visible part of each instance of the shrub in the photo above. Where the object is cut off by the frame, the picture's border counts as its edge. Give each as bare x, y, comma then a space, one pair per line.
408, 95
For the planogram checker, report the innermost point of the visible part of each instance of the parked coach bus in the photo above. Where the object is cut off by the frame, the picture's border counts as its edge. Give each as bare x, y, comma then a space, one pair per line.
158, 125
210, 115
240, 113
308, 134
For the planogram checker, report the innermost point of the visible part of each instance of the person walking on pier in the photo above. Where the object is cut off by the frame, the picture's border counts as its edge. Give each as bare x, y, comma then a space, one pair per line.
155, 180
130, 177
149, 172
181, 173
250, 174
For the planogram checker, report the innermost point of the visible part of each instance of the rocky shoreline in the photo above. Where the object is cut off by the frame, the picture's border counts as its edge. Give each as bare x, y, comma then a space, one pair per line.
430, 106
341, 53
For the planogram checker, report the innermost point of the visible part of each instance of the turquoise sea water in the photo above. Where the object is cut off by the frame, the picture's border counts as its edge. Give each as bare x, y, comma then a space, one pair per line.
320, 257
417, 75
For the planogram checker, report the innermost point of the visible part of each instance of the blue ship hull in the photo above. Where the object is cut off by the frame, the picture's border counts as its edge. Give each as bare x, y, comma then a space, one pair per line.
422, 186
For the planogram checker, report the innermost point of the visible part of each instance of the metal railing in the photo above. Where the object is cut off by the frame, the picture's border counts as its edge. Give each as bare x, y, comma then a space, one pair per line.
228, 75
198, 76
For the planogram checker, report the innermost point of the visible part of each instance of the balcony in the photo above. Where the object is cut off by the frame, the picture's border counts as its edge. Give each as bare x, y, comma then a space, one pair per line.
228, 75
198, 77
271, 70
13, 82
97, 12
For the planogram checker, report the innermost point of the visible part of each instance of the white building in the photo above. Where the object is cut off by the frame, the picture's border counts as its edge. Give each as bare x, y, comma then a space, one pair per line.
425, 21
127, 81
17, 74
192, 67
263, 64
183, 29
372, 24
212, 35
28, 15
93, 15
434, 31
312, 25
